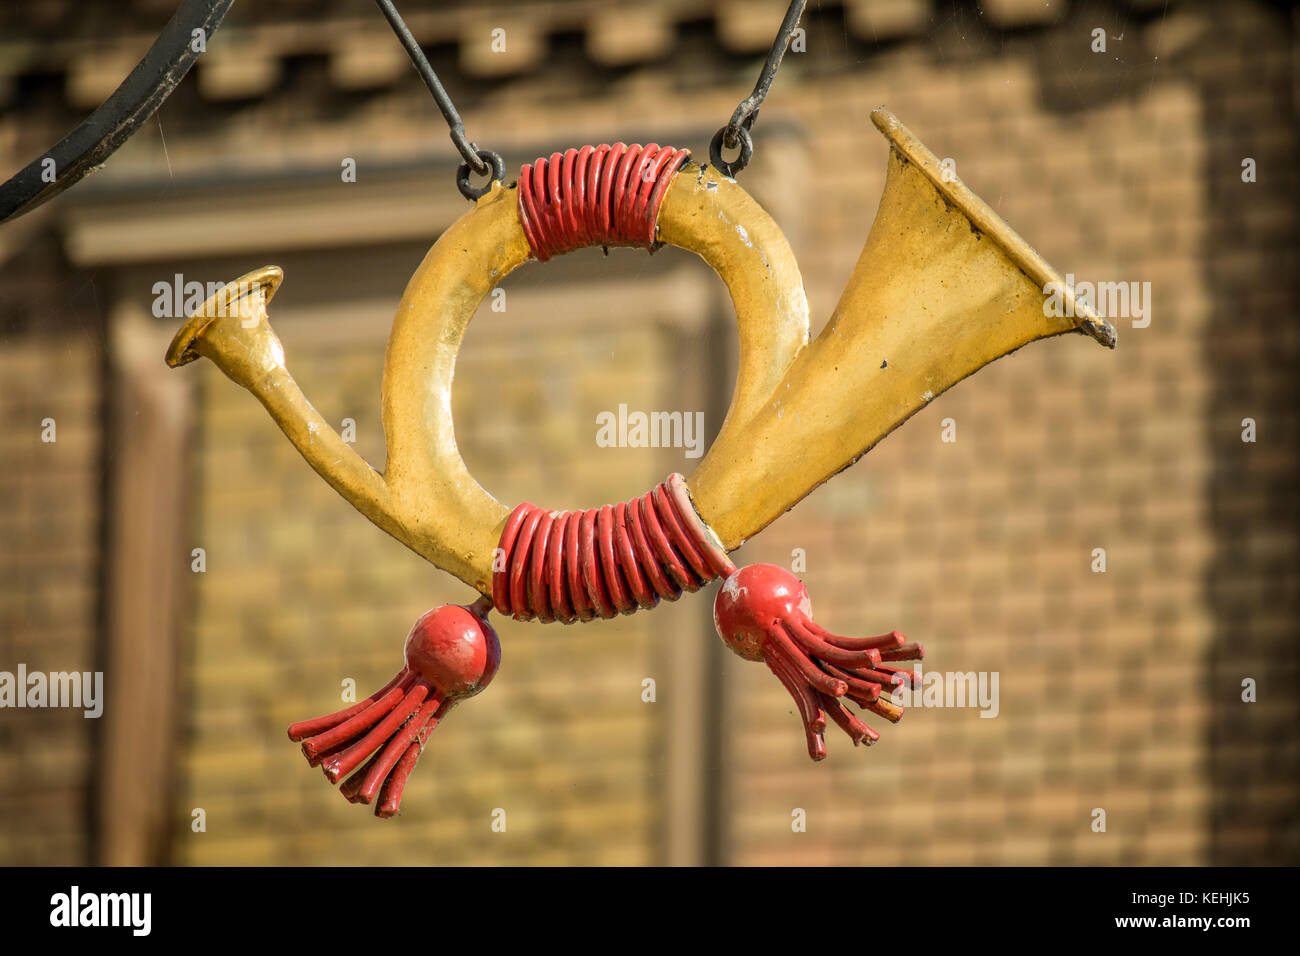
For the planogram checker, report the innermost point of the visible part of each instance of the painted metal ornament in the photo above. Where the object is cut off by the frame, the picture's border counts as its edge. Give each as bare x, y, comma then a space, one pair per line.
943, 286
451, 653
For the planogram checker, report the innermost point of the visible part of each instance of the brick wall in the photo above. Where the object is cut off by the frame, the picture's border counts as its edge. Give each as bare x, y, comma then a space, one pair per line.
1119, 691
981, 548
49, 558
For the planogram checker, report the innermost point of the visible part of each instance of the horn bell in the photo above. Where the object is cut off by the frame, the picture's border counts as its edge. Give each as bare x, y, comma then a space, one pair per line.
943, 287
231, 329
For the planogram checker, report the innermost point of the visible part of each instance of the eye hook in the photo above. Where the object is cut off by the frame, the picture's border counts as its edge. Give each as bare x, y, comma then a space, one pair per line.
737, 132
480, 161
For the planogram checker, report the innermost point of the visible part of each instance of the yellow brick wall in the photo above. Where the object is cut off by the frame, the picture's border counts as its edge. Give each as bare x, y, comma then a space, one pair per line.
981, 548
49, 535
1118, 691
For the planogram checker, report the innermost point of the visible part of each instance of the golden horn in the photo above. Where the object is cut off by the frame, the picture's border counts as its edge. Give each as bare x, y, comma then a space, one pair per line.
943, 287
427, 498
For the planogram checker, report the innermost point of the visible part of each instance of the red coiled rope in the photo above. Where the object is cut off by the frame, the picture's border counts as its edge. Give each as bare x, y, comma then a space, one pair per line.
597, 195
577, 565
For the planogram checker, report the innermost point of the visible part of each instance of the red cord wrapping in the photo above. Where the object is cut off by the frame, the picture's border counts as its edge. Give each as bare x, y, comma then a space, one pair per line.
597, 195
578, 565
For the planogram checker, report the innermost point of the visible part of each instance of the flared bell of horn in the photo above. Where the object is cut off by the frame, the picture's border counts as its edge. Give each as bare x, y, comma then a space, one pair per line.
943, 287
232, 330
